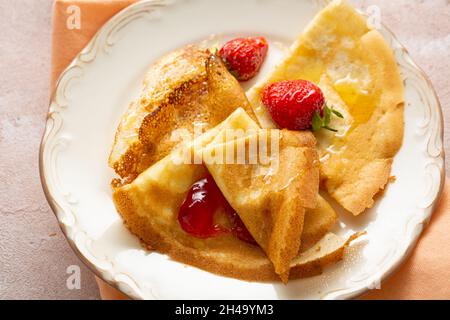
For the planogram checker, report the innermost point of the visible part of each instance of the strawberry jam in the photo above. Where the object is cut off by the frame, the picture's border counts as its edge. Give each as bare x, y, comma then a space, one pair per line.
196, 215
239, 229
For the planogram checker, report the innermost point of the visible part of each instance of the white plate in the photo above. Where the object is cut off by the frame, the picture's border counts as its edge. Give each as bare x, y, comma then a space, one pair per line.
97, 87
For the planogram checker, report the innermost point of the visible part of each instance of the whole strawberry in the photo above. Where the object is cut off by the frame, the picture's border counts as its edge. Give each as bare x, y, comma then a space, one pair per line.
243, 57
297, 105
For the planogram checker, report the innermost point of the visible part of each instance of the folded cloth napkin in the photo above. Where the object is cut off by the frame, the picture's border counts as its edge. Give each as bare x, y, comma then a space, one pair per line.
75, 22
424, 275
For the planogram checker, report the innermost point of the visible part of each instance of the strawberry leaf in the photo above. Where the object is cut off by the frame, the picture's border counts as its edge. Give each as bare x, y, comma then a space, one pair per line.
326, 115
230, 70
317, 121
321, 120
234, 74
329, 129
337, 113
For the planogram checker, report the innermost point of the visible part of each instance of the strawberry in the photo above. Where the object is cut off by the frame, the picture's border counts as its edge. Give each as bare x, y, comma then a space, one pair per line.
243, 57
297, 105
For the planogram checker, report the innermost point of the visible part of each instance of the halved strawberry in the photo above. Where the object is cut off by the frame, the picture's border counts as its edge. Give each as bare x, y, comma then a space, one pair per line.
243, 57
298, 105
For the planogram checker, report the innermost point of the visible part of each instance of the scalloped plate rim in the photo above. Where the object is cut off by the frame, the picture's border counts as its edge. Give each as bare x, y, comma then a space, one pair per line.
116, 284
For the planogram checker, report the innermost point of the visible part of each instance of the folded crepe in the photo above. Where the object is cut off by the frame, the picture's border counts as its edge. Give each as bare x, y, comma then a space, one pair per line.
187, 89
149, 206
357, 71
318, 222
272, 184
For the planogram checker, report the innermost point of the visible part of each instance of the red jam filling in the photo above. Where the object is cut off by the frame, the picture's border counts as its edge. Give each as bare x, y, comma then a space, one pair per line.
196, 215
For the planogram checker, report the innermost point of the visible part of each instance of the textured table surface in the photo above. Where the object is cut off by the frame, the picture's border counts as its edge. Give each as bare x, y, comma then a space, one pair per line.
34, 256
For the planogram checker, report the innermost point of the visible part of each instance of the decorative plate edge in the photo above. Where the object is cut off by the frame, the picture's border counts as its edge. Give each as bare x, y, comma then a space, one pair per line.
128, 286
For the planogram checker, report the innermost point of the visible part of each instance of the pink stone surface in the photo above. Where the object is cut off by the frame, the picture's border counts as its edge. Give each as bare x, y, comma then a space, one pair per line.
34, 256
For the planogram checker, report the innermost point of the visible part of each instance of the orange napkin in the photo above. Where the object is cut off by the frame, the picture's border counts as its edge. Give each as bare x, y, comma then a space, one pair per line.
425, 274
67, 39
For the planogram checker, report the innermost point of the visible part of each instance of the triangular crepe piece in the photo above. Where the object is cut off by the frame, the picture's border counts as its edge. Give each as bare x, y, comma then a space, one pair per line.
357, 71
330, 249
149, 206
318, 222
269, 178
187, 89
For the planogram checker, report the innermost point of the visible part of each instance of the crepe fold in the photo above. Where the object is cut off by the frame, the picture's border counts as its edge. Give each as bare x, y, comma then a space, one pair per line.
149, 206
186, 89
270, 195
357, 71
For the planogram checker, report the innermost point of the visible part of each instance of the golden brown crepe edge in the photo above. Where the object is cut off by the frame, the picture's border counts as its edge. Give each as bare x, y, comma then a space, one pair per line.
260, 271
391, 114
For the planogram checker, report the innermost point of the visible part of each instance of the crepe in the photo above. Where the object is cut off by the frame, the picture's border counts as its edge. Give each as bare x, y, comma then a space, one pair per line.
277, 179
318, 222
149, 206
187, 89
357, 71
